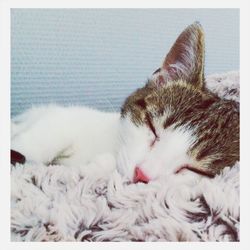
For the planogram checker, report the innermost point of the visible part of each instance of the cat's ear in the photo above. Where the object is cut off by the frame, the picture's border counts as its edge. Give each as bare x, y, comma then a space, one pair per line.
185, 59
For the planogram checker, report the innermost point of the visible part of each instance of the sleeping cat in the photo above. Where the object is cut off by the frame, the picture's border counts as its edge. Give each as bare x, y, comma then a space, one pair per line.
172, 124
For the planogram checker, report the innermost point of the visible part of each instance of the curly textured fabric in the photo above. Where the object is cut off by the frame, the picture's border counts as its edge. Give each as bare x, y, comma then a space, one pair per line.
59, 203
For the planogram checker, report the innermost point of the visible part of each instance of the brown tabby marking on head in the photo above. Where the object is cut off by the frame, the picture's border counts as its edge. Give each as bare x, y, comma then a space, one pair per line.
183, 100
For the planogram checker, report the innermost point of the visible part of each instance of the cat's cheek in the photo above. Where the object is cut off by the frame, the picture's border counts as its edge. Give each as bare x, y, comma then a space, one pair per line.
133, 148
156, 172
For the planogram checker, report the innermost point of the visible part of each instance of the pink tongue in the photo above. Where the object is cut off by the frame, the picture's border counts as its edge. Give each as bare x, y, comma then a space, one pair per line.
140, 176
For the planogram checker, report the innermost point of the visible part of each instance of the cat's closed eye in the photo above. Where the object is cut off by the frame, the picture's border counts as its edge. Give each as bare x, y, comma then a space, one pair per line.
153, 130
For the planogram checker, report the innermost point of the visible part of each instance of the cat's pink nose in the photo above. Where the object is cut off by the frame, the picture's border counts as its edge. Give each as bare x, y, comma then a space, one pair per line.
139, 176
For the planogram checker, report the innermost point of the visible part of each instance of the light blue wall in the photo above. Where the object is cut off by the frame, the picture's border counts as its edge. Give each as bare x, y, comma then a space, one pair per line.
97, 57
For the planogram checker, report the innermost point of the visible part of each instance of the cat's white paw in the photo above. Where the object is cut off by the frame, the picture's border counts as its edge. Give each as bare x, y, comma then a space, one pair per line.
102, 166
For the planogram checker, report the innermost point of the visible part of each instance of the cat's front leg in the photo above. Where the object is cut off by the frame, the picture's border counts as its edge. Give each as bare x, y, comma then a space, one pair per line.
102, 166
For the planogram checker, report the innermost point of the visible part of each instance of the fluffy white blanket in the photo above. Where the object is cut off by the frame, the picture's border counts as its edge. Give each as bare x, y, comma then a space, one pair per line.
59, 203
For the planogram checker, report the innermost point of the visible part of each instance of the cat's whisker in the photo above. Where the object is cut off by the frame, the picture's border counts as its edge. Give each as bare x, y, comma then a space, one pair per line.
126, 157
110, 105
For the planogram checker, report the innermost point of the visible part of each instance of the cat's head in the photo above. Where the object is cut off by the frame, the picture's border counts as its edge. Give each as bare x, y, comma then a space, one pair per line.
151, 145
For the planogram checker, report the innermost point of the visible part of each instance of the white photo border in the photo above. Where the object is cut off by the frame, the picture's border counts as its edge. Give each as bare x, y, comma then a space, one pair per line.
5, 46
